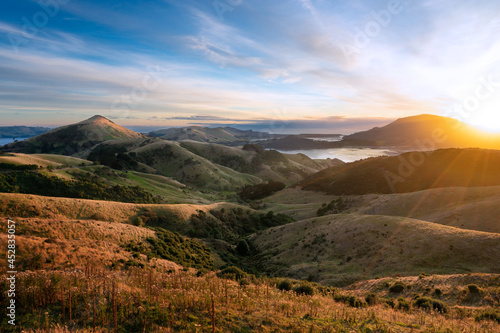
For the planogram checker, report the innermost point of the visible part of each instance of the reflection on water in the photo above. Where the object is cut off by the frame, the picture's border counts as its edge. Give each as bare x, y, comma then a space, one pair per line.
344, 154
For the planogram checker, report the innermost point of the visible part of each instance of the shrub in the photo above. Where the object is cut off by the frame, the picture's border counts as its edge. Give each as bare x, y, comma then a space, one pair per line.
430, 303
489, 314
304, 289
371, 299
138, 222
232, 273
438, 292
403, 304
242, 248
285, 285
473, 289
352, 301
397, 287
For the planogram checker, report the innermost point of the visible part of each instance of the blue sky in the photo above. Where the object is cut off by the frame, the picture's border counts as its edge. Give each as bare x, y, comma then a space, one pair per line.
281, 66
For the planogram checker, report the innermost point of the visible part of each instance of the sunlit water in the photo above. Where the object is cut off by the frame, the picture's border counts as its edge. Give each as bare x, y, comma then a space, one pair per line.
343, 154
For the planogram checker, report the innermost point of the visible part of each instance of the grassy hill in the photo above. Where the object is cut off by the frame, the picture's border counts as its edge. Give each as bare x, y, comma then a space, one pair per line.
410, 172
73, 139
343, 248
474, 208
21, 131
222, 135
427, 132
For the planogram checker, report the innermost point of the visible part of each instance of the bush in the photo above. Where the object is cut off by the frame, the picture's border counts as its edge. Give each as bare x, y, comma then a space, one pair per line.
430, 303
403, 304
352, 301
138, 222
397, 287
232, 273
438, 292
489, 314
473, 289
371, 299
285, 285
304, 289
242, 248
260, 191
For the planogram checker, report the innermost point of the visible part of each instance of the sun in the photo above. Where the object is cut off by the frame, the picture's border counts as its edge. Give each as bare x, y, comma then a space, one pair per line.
486, 116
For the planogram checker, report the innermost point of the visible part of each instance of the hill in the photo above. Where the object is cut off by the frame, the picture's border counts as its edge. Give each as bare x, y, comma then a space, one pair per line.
21, 131
473, 208
73, 139
340, 249
409, 172
425, 132
222, 135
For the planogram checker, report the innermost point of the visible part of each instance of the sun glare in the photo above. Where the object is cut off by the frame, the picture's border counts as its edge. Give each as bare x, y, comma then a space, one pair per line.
486, 117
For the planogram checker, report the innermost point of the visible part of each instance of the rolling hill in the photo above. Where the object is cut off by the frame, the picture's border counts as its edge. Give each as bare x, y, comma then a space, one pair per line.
223, 135
73, 139
409, 172
341, 249
473, 208
21, 131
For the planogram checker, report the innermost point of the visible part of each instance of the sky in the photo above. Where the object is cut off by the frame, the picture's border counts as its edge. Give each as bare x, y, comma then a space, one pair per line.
283, 66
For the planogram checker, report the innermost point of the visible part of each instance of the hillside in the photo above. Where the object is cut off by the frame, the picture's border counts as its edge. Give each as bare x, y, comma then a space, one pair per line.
425, 132
473, 208
72, 139
409, 172
340, 249
21, 131
222, 135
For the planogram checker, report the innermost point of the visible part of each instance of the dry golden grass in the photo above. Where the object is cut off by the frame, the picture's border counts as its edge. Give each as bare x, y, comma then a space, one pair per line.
342, 249
27, 205
206, 304
474, 208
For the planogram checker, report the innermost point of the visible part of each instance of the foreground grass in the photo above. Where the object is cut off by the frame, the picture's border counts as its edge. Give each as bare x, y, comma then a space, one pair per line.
151, 301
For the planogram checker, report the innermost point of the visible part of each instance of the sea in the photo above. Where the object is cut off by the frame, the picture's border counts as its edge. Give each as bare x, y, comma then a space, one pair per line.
344, 154
4, 141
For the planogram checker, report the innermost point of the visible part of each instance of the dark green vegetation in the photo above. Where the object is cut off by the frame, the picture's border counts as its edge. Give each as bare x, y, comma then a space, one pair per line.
172, 246
260, 191
409, 172
335, 206
21, 131
25, 179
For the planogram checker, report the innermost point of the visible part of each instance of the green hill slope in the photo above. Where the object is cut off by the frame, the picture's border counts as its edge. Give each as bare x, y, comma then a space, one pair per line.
410, 172
340, 249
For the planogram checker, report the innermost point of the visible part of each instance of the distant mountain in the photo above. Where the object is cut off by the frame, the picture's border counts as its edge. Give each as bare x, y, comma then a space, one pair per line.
8, 132
409, 172
223, 135
422, 132
72, 139
425, 132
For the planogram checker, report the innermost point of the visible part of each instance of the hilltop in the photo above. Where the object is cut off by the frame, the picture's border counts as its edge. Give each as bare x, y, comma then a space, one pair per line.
422, 132
74, 138
409, 172
425, 132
